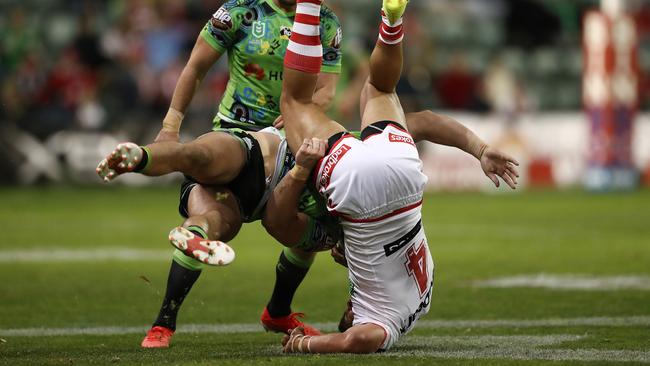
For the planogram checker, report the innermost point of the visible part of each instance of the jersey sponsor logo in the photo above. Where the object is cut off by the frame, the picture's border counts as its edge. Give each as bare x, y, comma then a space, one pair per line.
221, 19
416, 266
259, 29
416, 314
400, 138
254, 70
276, 75
332, 160
338, 39
285, 32
392, 248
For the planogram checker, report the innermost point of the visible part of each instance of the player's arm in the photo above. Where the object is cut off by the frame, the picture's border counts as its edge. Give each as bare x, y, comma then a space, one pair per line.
363, 338
444, 130
282, 218
331, 40
218, 36
201, 60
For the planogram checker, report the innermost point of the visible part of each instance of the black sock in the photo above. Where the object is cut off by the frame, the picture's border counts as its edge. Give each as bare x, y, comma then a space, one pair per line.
288, 277
179, 284
143, 163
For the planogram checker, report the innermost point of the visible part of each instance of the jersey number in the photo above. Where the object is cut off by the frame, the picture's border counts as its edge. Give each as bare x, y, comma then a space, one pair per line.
416, 266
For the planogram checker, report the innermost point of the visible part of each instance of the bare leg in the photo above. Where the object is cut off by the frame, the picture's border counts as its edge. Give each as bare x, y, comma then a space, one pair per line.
214, 210
378, 98
219, 219
214, 158
303, 118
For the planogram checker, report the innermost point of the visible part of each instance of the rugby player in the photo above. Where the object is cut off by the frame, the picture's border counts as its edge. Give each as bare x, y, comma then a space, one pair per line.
254, 34
216, 157
249, 157
374, 185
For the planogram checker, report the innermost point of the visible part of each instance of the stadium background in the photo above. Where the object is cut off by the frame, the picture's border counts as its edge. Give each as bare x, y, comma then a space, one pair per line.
76, 256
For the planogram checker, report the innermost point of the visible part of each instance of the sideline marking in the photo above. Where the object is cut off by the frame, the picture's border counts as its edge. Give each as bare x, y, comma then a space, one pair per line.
60, 255
422, 324
569, 282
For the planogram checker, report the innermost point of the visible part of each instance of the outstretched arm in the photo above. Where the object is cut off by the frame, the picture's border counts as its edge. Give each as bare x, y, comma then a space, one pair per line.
444, 130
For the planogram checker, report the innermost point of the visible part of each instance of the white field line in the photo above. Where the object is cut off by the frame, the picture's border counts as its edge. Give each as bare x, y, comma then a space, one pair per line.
121, 254
522, 347
423, 324
569, 282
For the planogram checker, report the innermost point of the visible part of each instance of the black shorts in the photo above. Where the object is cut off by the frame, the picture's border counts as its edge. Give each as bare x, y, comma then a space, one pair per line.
248, 187
378, 127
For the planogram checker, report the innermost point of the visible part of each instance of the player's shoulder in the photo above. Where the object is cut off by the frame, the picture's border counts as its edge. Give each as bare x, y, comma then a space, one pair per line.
233, 4
233, 13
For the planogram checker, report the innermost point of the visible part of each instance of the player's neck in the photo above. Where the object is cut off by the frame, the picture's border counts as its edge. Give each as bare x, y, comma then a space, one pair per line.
288, 6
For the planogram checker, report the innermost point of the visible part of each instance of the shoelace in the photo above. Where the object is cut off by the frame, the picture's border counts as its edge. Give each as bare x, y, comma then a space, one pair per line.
294, 316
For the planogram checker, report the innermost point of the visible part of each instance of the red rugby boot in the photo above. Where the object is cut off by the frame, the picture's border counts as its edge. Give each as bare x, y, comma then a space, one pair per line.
285, 324
157, 337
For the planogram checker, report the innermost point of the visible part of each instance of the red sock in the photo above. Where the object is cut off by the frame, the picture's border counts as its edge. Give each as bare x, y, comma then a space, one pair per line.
305, 51
390, 33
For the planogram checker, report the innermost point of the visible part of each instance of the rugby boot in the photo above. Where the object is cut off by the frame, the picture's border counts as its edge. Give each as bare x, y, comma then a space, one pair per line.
285, 324
124, 159
212, 252
394, 9
157, 337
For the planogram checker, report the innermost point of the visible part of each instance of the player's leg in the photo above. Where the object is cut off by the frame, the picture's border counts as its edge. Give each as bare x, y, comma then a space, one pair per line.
214, 158
304, 119
291, 269
209, 218
378, 98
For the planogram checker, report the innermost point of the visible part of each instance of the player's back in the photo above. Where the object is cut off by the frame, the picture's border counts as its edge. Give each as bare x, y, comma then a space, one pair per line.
369, 179
376, 187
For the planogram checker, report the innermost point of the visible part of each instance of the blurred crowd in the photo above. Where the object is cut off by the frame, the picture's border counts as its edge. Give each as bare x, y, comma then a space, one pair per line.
108, 65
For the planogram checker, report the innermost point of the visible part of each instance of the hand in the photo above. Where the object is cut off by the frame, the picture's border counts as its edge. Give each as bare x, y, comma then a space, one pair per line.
293, 342
279, 122
495, 163
310, 152
339, 255
167, 135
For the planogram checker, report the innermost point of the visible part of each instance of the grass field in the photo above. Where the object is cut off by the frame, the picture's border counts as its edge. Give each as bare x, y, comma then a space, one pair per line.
83, 271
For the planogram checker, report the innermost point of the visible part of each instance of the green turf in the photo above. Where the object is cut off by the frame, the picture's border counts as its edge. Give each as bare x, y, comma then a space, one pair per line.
471, 236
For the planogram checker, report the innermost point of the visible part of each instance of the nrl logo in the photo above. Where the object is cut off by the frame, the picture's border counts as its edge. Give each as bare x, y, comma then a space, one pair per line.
259, 29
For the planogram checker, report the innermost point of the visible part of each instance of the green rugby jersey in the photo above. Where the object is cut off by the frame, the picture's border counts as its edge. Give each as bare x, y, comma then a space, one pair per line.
255, 34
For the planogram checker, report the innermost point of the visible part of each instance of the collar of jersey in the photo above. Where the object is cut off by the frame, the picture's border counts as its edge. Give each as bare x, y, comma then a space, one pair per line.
279, 9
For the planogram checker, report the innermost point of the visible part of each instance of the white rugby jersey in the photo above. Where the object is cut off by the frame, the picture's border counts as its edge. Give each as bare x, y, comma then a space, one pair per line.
376, 187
